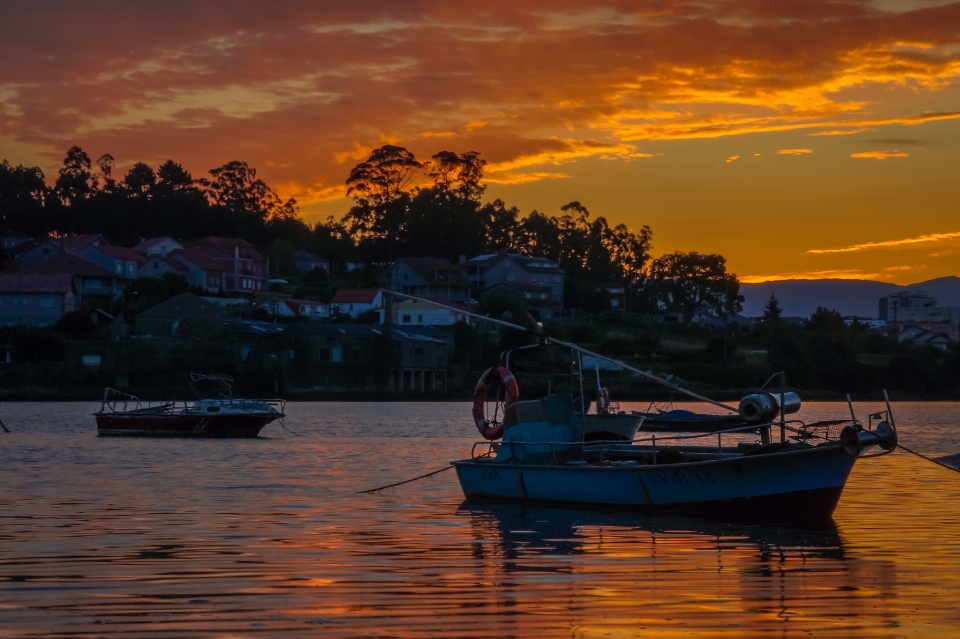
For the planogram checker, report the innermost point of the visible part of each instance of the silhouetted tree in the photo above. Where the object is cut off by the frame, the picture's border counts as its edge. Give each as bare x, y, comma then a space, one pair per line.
23, 197
688, 282
140, 180
772, 311
826, 320
75, 180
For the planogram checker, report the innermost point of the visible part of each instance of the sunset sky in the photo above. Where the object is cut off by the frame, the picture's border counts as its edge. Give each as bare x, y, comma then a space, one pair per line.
798, 138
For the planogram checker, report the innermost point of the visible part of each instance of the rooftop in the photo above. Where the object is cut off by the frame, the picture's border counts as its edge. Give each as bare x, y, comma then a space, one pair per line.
73, 264
184, 305
31, 283
355, 296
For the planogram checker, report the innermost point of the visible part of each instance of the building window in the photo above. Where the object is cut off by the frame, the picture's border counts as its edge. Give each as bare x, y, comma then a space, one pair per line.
511, 277
245, 352
119, 268
336, 353
406, 319
419, 319
46, 302
20, 301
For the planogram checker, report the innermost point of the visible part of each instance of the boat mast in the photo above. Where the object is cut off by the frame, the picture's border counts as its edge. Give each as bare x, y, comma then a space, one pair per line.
550, 340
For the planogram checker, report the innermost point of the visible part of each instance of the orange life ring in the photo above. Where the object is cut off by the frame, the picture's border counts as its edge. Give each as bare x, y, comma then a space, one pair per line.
603, 401
492, 429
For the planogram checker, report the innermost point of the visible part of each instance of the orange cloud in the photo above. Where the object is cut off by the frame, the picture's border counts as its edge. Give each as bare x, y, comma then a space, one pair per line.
523, 178
835, 274
838, 132
931, 237
733, 158
524, 85
794, 151
880, 155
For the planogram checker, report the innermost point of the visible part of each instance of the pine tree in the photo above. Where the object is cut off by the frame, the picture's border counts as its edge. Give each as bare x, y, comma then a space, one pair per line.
772, 311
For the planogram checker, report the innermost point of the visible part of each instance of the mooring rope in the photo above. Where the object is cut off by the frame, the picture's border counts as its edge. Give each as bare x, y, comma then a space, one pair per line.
929, 459
400, 483
5, 429
284, 427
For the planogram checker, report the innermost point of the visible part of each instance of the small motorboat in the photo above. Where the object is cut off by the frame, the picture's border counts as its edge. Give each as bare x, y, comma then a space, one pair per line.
123, 414
686, 421
608, 423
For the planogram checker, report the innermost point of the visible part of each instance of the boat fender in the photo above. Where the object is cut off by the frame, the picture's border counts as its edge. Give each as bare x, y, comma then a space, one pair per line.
603, 401
493, 429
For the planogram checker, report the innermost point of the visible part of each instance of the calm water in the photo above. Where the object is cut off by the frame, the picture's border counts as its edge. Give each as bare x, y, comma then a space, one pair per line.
105, 537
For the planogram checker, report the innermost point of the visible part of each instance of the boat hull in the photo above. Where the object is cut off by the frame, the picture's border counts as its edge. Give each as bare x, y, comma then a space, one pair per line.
786, 485
181, 425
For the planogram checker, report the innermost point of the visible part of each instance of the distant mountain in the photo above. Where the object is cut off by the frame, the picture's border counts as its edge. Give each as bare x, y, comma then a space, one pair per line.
800, 298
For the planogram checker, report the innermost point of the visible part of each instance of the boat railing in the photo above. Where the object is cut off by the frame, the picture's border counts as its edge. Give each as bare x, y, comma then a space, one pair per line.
115, 401
802, 432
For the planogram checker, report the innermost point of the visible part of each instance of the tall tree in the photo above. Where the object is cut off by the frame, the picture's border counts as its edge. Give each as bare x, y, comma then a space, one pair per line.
378, 188
23, 196
75, 180
688, 282
383, 177
235, 185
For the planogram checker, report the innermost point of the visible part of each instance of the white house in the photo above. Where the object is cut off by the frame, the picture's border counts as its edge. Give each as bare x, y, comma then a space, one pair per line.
354, 301
418, 313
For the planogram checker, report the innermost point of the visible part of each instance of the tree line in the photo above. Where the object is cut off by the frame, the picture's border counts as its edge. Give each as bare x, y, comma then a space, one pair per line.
402, 207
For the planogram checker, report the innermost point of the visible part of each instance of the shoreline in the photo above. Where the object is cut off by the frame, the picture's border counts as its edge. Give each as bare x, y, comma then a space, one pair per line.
732, 396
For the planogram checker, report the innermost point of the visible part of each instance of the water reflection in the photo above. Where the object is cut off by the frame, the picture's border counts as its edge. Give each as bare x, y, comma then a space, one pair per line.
704, 571
141, 538
567, 531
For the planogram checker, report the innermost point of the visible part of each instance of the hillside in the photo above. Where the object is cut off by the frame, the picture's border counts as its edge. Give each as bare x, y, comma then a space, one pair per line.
800, 298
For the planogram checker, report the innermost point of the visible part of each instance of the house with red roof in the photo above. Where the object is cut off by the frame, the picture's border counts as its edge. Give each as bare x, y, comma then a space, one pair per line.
354, 301
89, 279
122, 261
429, 276
35, 300
202, 270
244, 269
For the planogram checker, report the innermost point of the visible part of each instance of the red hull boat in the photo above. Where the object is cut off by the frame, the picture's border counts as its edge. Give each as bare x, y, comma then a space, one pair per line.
122, 414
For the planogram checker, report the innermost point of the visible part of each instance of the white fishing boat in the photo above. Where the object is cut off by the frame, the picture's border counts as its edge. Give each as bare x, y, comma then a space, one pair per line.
543, 455
543, 459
